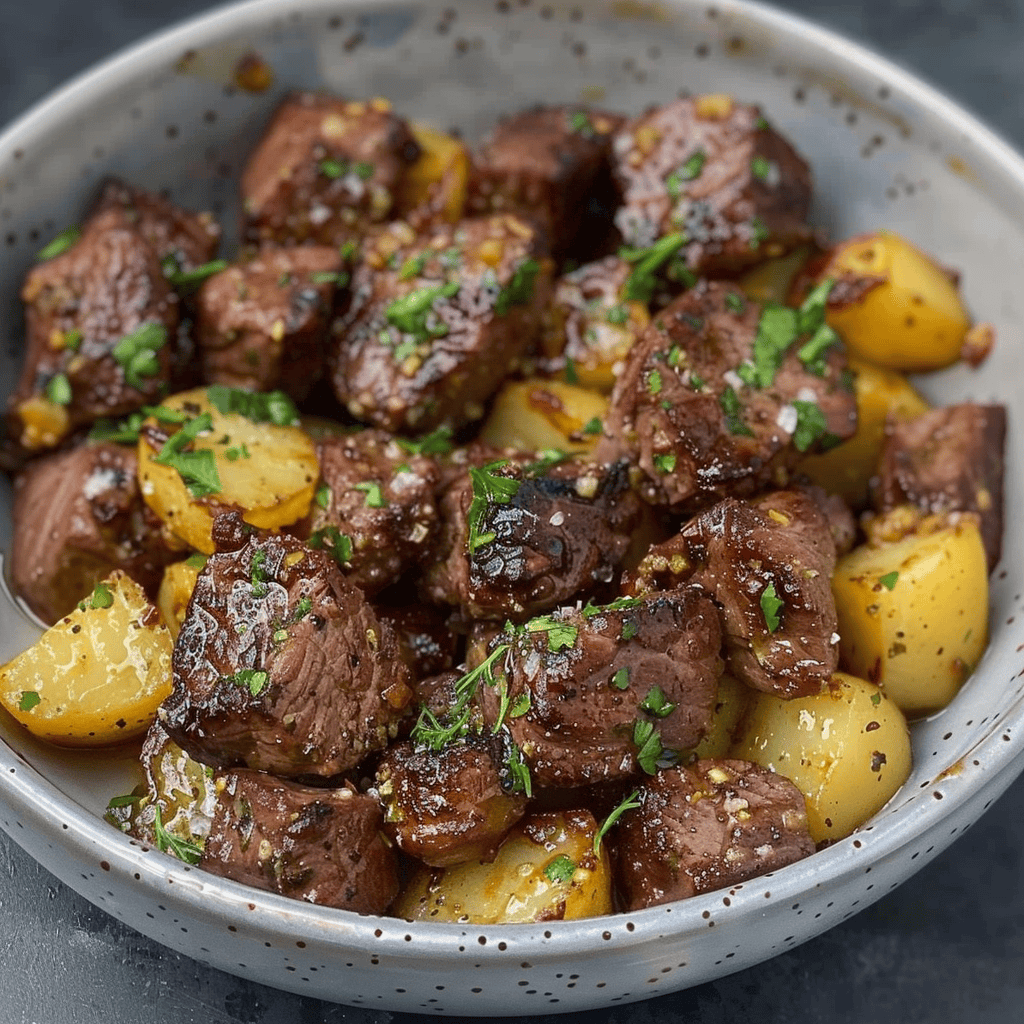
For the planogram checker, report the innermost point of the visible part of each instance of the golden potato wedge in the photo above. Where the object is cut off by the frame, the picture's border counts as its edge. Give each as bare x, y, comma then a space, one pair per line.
534, 415
263, 468
847, 469
97, 676
846, 749
176, 586
730, 704
546, 869
912, 319
913, 612
440, 176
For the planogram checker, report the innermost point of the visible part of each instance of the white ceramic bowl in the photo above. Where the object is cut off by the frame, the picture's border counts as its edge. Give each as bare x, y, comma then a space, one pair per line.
887, 152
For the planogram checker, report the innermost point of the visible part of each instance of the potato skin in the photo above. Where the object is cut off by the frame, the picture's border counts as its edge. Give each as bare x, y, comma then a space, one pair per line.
846, 749
523, 883
96, 677
176, 586
913, 613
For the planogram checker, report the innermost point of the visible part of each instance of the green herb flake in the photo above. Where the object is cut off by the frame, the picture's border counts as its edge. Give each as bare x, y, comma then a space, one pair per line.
631, 803
621, 679
696, 383
258, 574
665, 463
196, 560
188, 280
58, 389
735, 302
617, 315
374, 495
323, 496
519, 291
412, 267
335, 277
560, 634
889, 580
560, 870
29, 699
771, 605
762, 168
758, 232
777, 329
64, 241
332, 169
168, 842
570, 374
364, 170
414, 313
280, 635
647, 741
519, 771
657, 704
332, 541
488, 488
302, 608
592, 426
654, 382
101, 596
135, 353
729, 402
579, 122
811, 425
234, 454
640, 284
521, 706
689, 170
123, 801
675, 356
197, 469
273, 407
437, 442
876, 699
762, 125
255, 680
71, 340
629, 629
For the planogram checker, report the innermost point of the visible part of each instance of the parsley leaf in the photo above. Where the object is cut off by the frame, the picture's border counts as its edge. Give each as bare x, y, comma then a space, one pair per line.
29, 699
64, 241
414, 312
560, 634
196, 560
412, 267
621, 679
197, 469
688, 170
58, 389
579, 122
771, 605
560, 870
330, 539
519, 290
255, 680
647, 741
101, 596
520, 772
135, 353
437, 442
374, 495
488, 488
665, 463
121, 431
188, 280
729, 402
592, 426
776, 331
656, 703
640, 284
257, 406
810, 425
758, 232
631, 803
889, 580
169, 842
323, 495
331, 168
762, 168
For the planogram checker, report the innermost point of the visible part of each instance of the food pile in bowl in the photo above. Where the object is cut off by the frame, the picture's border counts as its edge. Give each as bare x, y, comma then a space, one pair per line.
504, 535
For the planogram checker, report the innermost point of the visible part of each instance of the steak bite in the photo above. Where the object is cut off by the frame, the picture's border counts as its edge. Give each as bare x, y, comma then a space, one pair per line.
323, 846
182, 240
707, 827
380, 498
768, 565
425, 642
451, 805
544, 164
280, 664
514, 542
78, 515
720, 397
436, 323
606, 693
716, 174
948, 460
325, 170
101, 322
263, 324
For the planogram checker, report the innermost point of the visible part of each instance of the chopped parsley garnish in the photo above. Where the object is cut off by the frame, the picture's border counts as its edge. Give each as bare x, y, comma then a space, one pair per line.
488, 488
521, 706
665, 463
657, 704
412, 267
812, 321
71, 340
437, 442
762, 168
374, 496
776, 331
58, 389
411, 312
811, 426
761, 124
560, 870
335, 543
234, 454
621, 679
101, 596
255, 680
280, 635
196, 560
654, 382
519, 290
579, 122
729, 402
629, 629
335, 277
647, 741
735, 302
560, 634
187, 280
771, 605
571, 376
332, 168
889, 580
686, 171
364, 170
135, 353
641, 282
323, 496
758, 232
258, 575
67, 238
592, 426
29, 699
257, 406
631, 803
617, 314
520, 772
197, 469
169, 842
302, 608
123, 801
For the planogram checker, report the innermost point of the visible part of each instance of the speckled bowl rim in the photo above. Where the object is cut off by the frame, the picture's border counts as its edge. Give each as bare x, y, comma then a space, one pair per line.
997, 759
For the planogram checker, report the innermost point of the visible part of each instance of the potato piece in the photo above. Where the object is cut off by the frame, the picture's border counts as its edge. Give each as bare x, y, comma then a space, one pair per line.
265, 470
846, 749
913, 613
546, 869
770, 281
533, 415
98, 675
912, 320
176, 586
439, 178
846, 469
730, 704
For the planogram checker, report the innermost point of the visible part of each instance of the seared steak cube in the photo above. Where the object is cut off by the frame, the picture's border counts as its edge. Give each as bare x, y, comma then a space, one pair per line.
948, 460
377, 501
263, 324
436, 323
451, 805
280, 664
78, 515
543, 164
603, 693
325, 170
101, 322
721, 397
716, 173
323, 846
426, 643
515, 542
707, 827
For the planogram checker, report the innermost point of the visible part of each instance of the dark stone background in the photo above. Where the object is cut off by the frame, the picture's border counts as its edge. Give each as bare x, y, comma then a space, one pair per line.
946, 946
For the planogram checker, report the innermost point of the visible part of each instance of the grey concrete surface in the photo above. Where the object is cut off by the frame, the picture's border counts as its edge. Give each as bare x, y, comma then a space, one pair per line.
947, 946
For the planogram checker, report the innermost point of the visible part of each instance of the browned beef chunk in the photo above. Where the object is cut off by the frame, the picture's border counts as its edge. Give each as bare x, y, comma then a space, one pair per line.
451, 805
319, 845
101, 324
543, 164
598, 694
425, 643
380, 497
768, 565
325, 170
280, 664
78, 515
514, 543
841, 523
948, 460
715, 171
707, 827
707, 406
184, 239
263, 324
436, 324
